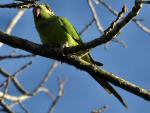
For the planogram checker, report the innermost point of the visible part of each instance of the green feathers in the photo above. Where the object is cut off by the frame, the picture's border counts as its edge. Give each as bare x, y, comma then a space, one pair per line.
53, 30
58, 31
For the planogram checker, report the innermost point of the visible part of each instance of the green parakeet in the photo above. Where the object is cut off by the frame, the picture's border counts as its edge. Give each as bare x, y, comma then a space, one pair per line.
58, 31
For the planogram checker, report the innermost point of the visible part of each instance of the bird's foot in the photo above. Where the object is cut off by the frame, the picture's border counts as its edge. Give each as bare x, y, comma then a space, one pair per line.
62, 48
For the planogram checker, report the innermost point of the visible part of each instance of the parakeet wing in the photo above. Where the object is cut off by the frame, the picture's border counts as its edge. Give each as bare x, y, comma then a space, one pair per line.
69, 28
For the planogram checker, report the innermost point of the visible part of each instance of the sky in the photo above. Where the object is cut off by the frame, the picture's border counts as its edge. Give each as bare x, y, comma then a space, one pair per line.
82, 94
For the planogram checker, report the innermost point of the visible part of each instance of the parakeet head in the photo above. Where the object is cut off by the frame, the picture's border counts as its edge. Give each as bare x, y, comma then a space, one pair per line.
42, 12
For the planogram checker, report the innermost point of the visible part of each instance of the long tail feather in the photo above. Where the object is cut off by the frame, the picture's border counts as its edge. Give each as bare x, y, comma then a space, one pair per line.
101, 81
110, 89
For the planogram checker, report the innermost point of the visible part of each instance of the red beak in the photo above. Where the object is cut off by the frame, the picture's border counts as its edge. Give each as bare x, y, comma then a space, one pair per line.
37, 11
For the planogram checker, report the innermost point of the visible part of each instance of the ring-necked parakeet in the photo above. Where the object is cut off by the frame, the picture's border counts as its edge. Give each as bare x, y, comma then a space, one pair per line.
58, 31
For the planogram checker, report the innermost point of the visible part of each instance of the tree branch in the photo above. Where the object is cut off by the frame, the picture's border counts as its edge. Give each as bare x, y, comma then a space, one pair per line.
17, 5
110, 32
96, 73
95, 16
5, 107
114, 12
61, 84
56, 54
14, 80
11, 56
14, 21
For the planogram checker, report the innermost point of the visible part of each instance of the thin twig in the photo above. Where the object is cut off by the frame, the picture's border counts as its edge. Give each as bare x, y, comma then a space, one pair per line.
46, 91
25, 96
47, 76
22, 68
121, 42
114, 12
55, 54
101, 110
14, 99
97, 21
28, 1
14, 80
23, 107
14, 21
12, 56
109, 7
6, 108
141, 26
6, 89
116, 21
75, 61
60, 94
86, 27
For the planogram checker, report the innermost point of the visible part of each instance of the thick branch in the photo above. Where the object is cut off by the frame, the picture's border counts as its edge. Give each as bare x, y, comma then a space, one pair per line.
75, 61
112, 31
114, 12
17, 5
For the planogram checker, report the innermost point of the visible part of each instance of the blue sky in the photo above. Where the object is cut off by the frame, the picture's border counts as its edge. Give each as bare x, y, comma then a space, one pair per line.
82, 93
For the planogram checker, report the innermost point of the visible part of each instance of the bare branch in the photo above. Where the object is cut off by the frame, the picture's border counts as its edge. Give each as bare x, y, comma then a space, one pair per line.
23, 107
12, 56
6, 89
55, 54
96, 73
14, 21
17, 5
46, 91
112, 31
14, 80
72, 60
113, 11
101, 110
103, 39
28, 1
25, 66
121, 42
86, 27
60, 94
142, 27
6, 108
97, 21
107, 6
47, 76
